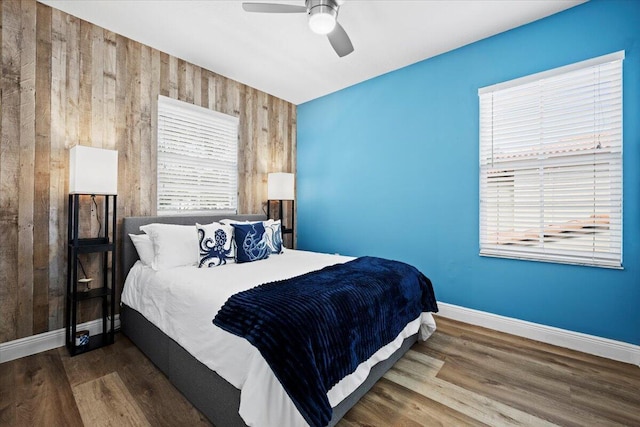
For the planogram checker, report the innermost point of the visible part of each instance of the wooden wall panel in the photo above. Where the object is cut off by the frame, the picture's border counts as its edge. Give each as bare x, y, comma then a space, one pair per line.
145, 98
42, 175
26, 174
65, 82
10, 169
57, 167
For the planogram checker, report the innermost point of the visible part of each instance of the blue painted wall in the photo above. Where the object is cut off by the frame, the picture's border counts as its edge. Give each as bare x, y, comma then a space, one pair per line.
389, 167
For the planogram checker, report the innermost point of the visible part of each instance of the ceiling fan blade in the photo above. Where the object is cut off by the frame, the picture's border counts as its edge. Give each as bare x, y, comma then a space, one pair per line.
273, 8
340, 41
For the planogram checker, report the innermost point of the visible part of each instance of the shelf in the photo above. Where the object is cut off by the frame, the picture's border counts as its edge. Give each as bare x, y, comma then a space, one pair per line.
100, 247
90, 241
95, 341
89, 245
93, 293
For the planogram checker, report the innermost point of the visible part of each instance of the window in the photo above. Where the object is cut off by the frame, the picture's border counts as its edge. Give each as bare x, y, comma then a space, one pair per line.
551, 165
197, 159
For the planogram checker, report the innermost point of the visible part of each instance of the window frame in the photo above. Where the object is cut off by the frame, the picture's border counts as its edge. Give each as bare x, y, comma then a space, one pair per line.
502, 114
196, 159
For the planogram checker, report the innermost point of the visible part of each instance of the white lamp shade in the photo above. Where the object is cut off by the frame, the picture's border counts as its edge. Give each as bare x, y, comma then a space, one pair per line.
93, 170
280, 186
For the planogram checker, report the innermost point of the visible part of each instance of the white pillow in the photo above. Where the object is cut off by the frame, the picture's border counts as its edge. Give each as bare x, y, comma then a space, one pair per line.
173, 245
144, 246
215, 244
273, 236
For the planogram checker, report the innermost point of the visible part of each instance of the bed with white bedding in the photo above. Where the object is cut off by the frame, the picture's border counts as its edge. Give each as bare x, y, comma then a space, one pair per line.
168, 314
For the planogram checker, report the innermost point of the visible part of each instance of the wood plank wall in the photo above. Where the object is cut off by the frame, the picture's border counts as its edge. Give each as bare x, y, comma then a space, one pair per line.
64, 82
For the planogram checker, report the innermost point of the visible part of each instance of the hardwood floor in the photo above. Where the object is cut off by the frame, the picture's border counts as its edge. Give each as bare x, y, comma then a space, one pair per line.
463, 375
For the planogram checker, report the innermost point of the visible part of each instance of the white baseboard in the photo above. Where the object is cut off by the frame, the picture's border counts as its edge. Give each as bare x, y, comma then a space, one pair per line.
46, 341
604, 347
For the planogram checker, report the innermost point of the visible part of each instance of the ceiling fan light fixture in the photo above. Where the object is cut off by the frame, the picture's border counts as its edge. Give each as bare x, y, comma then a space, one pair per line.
323, 19
322, 16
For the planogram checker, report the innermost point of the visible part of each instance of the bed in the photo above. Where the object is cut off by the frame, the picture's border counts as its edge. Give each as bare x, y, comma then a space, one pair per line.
221, 374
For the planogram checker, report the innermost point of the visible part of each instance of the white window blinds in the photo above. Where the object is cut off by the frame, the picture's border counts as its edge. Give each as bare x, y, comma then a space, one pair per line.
551, 165
197, 159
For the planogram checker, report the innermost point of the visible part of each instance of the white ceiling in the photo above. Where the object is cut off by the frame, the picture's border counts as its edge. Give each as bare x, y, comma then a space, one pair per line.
278, 54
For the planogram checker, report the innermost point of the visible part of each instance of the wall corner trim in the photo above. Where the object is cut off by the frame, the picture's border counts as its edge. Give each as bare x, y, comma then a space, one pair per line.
603, 347
27, 346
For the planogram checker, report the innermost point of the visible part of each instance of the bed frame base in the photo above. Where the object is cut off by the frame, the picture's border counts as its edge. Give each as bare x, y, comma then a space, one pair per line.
216, 398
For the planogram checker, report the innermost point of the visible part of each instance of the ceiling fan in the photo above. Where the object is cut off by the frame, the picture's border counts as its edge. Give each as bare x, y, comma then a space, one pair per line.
323, 15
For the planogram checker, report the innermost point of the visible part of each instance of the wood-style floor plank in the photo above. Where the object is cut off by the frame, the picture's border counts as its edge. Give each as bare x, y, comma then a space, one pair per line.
464, 375
474, 405
539, 350
540, 379
41, 395
161, 402
95, 364
389, 403
106, 401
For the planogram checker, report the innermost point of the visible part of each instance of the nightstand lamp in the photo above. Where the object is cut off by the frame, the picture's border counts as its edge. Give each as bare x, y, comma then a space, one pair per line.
93, 171
280, 187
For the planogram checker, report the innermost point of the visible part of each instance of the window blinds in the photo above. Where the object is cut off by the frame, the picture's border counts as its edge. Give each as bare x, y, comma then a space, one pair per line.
551, 165
197, 159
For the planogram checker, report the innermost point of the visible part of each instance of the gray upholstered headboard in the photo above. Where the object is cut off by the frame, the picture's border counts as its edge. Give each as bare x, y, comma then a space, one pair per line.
131, 225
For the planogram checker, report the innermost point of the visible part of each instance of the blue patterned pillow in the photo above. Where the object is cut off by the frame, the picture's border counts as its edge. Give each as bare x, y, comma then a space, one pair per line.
215, 244
273, 236
250, 242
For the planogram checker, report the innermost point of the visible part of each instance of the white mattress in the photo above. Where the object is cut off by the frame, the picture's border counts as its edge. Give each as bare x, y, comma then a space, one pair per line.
183, 301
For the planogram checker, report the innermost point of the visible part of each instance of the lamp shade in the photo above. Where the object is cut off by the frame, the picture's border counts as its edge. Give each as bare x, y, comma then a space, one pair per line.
280, 186
93, 170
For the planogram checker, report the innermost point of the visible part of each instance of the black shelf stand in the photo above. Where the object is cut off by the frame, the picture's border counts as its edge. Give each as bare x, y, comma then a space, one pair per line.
101, 246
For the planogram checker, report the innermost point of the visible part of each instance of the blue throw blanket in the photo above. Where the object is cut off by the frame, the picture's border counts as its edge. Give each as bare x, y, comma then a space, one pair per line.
315, 329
